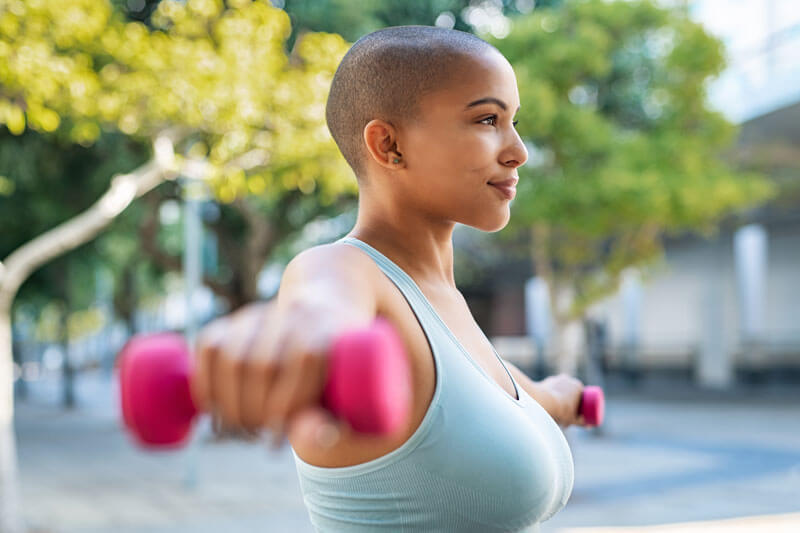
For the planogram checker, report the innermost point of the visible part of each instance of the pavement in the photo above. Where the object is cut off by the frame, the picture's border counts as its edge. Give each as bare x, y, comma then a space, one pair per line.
669, 458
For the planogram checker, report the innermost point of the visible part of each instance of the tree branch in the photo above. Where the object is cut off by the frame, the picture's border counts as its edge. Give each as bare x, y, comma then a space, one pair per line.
70, 234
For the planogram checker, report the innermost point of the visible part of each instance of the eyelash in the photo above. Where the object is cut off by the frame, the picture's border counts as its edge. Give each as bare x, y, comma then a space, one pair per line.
495, 118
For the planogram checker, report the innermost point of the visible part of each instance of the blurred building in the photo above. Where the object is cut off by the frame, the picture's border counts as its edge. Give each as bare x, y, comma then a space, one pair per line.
732, 303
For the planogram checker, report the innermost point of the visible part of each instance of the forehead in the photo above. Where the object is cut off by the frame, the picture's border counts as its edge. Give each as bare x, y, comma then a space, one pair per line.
473, 78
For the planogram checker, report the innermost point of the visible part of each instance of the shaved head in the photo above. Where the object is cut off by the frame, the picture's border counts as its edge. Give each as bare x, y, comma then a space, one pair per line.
386, 74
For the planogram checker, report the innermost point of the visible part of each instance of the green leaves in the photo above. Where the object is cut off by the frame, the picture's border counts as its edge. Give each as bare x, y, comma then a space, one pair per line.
614, 94
221, 73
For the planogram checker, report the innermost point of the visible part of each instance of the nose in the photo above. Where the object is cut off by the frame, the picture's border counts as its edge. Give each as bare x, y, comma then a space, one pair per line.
516, 154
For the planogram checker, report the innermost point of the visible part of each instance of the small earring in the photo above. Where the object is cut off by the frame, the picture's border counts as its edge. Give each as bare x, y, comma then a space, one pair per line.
396, 160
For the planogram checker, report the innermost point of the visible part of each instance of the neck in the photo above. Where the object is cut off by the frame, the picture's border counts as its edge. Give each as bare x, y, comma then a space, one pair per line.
418, 243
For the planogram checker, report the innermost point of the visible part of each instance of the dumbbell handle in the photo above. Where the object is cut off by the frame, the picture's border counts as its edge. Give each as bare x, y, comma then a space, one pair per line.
368, 384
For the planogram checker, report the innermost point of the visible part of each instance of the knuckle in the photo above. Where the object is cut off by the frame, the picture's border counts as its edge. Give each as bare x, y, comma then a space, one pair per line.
250, 366
230, 363
305, 358
228, 416
251, 421
204, 340
213, 332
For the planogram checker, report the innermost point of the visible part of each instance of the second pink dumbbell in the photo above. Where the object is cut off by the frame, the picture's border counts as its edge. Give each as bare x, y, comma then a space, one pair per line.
593, 405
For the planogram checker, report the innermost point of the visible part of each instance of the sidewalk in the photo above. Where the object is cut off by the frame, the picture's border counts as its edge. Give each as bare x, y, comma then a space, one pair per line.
661, 460
81, 473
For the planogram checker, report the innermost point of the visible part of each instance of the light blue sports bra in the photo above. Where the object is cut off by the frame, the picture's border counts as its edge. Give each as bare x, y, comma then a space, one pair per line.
480, 460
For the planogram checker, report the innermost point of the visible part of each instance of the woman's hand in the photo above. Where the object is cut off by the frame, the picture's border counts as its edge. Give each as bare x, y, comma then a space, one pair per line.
259, 368
566, 392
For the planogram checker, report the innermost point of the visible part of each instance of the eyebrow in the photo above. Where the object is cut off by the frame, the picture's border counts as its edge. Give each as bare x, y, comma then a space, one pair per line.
489, 100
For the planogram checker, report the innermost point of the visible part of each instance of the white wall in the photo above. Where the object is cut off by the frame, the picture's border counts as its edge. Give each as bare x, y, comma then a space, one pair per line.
691, 303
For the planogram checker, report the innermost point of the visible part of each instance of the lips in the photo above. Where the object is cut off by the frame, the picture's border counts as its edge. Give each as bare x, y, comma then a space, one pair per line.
506, 187
511, 182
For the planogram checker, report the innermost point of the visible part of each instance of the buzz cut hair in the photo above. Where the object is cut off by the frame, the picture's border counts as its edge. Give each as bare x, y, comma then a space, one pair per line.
386, 74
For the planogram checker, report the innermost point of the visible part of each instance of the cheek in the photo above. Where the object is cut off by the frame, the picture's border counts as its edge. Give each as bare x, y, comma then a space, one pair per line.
454, 151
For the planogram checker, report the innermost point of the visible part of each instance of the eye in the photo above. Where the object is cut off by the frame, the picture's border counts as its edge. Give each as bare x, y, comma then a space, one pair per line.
494, 118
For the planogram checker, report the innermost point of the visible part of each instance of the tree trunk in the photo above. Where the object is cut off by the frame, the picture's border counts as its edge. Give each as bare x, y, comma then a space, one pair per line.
126, 297
10, 513
68, 369
567, 336
258, 243
570, 336
30, 256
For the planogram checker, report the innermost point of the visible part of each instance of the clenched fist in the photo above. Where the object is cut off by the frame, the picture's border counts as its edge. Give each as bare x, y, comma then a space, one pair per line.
567, 392
258, 369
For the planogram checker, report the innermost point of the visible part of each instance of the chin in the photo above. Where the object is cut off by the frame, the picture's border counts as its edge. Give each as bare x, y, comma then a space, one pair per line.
490, 226
496, 228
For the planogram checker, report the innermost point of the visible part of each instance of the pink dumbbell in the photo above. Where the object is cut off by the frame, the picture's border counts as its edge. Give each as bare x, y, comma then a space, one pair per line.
368, 384
593, 405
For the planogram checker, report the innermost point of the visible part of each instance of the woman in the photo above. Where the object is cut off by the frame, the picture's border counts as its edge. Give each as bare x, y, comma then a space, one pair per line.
424, 116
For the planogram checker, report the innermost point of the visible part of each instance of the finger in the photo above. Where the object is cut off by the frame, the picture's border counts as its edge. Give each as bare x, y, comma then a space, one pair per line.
259, 375
207, 351
227, 377
258, 367
303, 388
300, 386
277, 357
286, 389
312, 383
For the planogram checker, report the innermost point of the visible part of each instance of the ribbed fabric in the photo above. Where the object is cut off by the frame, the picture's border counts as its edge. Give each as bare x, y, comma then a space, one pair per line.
480, 461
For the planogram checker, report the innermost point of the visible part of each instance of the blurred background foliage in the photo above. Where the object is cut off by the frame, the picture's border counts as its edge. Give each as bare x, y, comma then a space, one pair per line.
623, 147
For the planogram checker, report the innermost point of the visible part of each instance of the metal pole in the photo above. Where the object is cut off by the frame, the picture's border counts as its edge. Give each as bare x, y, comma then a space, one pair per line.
194, 193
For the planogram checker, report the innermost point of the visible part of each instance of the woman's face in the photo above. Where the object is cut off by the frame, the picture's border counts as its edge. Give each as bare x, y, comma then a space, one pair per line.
464, 140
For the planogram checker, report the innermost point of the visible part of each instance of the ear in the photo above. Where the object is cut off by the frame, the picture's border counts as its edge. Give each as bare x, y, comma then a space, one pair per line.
381, 140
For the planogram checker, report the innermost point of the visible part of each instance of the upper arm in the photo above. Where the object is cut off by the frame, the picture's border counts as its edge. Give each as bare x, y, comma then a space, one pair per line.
336, 280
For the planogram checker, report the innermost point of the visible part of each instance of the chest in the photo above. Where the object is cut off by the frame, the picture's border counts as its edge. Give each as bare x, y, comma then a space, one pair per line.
355, 448
452, 309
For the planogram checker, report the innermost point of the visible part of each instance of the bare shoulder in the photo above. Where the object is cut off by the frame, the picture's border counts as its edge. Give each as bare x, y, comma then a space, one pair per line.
325, 257
355, 448
334, 272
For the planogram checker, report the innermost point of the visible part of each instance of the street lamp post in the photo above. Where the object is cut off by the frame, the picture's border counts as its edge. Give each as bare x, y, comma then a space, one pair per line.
195, 192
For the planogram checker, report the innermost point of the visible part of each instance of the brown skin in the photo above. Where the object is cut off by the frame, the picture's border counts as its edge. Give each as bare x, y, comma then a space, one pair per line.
446, 161
254, 376
409, 209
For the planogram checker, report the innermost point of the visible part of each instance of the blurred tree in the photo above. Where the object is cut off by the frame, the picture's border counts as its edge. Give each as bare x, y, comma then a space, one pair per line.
54, 180
210, 89
251, 217
623, 147
355, 19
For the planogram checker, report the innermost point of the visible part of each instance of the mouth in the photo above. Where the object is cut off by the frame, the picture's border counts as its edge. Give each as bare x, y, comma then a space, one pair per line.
505, 182
507, 188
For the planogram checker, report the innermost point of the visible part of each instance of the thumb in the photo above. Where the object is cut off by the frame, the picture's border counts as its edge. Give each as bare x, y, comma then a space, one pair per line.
316, 427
